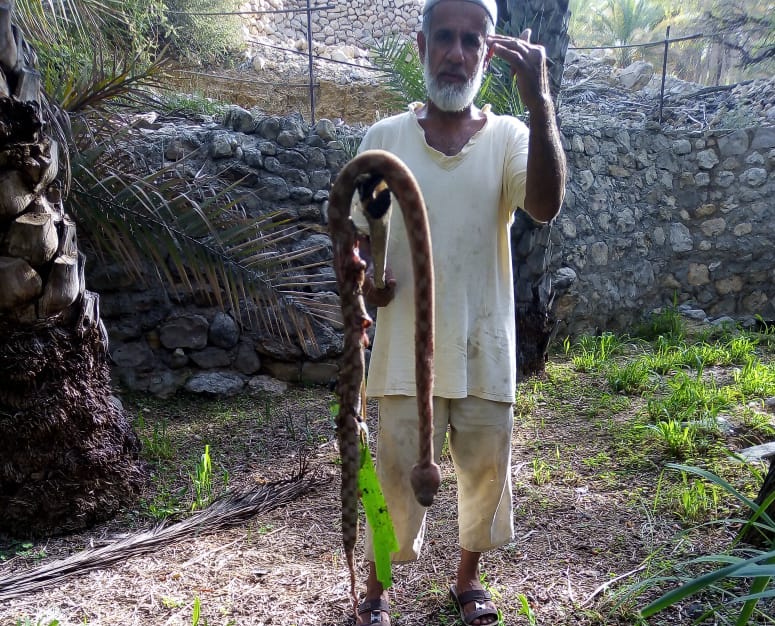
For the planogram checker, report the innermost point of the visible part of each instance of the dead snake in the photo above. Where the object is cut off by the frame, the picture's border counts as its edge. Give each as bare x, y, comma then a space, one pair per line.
372, 166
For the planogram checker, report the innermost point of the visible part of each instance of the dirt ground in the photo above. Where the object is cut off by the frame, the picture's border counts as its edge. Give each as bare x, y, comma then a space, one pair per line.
359, 101
585, 522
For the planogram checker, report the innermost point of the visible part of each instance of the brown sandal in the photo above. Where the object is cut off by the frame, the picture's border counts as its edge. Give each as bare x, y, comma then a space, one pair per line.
375, 609
480, 598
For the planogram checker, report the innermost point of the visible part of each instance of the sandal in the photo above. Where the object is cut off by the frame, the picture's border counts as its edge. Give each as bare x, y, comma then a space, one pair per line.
479, 597
375, 609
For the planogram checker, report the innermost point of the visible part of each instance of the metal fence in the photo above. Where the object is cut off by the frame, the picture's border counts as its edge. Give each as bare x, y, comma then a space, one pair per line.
311, 85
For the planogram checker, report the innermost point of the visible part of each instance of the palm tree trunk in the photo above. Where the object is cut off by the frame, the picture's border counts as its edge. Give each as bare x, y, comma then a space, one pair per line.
764, 537
548, 21
531, 242
69, 455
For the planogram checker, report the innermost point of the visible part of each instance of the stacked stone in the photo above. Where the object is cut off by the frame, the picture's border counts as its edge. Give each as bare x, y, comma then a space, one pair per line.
344, 32
280, 165
596, 93
650, 217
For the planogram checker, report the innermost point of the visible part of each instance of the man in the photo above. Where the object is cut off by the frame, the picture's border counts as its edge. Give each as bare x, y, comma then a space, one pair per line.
475, 170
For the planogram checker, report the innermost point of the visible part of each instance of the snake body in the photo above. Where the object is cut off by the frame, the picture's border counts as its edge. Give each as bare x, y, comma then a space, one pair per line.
350, 273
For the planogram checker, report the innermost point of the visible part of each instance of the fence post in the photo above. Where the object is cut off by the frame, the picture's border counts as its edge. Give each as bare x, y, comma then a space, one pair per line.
309, 60
664, 71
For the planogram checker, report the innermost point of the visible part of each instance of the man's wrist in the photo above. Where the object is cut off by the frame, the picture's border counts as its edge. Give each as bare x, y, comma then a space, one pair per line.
542, 111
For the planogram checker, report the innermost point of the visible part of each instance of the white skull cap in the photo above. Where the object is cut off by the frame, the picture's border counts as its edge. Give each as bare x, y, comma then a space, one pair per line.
488, 5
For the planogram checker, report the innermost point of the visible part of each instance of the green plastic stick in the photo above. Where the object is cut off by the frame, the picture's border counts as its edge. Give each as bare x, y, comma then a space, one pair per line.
384, 536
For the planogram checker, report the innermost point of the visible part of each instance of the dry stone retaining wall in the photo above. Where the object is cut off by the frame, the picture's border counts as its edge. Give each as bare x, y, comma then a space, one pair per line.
357, 23
650, 216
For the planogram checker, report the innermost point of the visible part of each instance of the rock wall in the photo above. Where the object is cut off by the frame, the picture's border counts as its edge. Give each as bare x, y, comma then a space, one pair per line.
653, 216
354, 24
161, 342
650, 217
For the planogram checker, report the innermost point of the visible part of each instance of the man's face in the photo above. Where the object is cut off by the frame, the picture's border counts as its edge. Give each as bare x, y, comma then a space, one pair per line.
453, 54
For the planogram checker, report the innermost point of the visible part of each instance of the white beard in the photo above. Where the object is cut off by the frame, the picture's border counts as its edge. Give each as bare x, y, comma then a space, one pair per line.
452, 97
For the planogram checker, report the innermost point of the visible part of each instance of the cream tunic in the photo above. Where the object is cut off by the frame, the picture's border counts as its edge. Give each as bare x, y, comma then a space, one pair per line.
471, 199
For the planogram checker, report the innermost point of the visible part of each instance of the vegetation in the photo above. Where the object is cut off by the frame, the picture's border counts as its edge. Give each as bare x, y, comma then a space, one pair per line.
737, 36
664, 450
672, 389
201, 31
74, 37
101, 58
682, 416
618, 23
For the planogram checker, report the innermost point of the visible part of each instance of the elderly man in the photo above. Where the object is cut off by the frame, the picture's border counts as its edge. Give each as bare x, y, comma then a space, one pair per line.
475, 169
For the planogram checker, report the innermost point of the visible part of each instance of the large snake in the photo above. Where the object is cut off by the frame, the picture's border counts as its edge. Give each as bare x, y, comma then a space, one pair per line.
375, 173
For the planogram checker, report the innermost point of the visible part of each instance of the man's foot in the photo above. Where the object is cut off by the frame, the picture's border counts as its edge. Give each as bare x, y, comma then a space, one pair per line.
473, 602
373, 612
475, 606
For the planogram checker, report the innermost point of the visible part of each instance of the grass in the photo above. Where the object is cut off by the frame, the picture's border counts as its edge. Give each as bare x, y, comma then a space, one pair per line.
684, 385
202, 479
189, 104
24, 550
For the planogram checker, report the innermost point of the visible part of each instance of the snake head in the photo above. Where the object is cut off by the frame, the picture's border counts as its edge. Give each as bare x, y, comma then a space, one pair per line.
375, 205
425, 482
374, 194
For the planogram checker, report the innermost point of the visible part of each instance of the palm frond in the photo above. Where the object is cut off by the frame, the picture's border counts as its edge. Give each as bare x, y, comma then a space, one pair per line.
499, 90
400, 59
53, 20
113, 77
89, 52
186, 230
199, 239
223, 513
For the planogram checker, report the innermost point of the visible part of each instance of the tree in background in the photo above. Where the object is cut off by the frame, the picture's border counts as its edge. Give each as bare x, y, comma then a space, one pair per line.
548, 20
747, 30
618, 23
738, 41
531, 242
75, 36
200, 36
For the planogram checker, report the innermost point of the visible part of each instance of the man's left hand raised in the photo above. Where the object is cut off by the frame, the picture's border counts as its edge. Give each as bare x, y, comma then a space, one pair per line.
528, 63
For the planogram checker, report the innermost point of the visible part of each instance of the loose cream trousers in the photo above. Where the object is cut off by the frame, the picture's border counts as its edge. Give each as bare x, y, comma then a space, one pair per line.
480, 446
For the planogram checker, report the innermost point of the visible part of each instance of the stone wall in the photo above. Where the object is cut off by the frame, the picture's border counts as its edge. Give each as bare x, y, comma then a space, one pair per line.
653, 216
161, 342
650, 217
357, 23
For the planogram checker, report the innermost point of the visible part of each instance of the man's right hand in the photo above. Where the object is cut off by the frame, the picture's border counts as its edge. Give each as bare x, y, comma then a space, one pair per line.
378, 297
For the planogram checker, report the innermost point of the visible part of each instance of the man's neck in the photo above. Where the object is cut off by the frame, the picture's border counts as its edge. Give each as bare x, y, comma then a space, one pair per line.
447, 131
434, 114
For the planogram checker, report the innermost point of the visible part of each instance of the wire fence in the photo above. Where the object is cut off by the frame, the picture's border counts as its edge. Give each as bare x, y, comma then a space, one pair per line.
311, 85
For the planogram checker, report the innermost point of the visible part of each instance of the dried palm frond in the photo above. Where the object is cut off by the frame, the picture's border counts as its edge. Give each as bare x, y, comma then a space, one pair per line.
196, 235
223, 513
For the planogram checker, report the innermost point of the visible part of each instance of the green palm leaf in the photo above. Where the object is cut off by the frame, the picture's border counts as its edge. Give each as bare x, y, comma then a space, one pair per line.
400, 60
